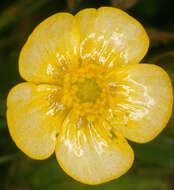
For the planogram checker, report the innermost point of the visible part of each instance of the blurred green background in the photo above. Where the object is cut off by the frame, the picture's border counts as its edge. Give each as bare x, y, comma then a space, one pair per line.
153, 167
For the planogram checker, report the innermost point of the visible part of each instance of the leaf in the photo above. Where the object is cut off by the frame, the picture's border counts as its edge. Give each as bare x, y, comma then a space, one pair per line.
158, 152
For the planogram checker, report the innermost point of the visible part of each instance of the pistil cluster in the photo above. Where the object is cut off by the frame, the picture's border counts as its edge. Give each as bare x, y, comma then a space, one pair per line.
85, 90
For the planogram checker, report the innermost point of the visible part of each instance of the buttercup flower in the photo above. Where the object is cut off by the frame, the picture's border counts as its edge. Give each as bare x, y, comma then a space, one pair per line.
86, 93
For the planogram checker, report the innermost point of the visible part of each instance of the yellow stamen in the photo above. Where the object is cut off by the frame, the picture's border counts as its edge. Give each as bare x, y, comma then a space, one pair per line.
85, 92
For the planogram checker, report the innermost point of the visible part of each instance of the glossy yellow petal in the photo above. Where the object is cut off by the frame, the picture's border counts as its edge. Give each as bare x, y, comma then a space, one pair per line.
111, 37
50, 50
142, 101
91, 154
34, 117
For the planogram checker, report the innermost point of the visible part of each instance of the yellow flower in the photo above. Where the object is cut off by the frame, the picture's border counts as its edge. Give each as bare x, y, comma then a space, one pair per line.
86, 93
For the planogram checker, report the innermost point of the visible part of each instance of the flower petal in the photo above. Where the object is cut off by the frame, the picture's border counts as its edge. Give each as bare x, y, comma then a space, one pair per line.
111, 37
34, 117
89, 153
50, 50
142, 101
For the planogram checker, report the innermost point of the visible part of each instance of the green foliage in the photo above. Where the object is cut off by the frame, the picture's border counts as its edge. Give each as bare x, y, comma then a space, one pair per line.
153, 166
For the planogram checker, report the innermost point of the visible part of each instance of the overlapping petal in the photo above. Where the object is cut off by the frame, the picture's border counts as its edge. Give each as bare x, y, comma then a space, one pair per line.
90, 153
142, 101
34, 117
107, 36
110, 37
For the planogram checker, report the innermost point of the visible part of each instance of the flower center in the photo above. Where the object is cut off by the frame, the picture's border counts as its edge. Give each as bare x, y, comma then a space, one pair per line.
88, 90
85, 92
